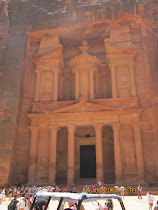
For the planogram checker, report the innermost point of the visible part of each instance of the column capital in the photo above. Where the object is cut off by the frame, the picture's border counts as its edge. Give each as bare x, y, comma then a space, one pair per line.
38, 71
98, 126
116, 126
54, 127
43, 125
112, 66
71, 127
34, 128
131, 65
136, 125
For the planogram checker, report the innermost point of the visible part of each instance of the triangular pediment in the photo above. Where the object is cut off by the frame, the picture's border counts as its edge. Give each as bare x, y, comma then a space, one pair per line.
84, 106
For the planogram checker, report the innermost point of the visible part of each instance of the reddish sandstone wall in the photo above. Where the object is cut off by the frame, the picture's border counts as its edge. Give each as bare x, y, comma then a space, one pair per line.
18, 77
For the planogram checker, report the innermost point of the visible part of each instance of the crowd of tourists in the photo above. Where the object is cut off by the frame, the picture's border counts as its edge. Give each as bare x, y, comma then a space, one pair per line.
22, 197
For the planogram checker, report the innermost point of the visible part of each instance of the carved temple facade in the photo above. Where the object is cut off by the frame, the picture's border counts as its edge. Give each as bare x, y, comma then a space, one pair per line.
85, 118
78, 92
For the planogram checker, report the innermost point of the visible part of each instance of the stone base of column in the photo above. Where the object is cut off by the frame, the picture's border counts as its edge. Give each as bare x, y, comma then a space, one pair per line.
118, 182
51, 184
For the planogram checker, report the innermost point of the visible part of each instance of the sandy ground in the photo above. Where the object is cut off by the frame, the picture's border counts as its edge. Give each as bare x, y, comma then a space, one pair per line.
130, 202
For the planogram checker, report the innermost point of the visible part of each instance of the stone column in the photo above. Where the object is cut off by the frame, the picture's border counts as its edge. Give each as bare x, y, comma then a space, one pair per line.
71, 159
55, 94
139, 151
77, 86
33, 154
117, 153
99, 152
113, 80
132, 76
52, 154
37, 90
91, 85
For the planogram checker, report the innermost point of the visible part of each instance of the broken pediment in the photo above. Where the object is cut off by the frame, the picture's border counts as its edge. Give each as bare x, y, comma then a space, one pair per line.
84, 106
111, 49
55, 54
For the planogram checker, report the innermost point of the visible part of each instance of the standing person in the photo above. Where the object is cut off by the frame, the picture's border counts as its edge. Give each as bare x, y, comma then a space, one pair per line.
139, 192
150, 200
10, 193
122, 190
156, 207
25, 203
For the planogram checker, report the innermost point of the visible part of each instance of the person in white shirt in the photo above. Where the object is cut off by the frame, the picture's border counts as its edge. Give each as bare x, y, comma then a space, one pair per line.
150, 200
25, 203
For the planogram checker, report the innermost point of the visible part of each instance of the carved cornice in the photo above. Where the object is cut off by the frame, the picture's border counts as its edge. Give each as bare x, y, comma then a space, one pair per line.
112, 49
84, 62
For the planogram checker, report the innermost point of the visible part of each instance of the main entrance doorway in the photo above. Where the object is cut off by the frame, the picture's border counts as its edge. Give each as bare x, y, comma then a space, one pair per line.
87, 161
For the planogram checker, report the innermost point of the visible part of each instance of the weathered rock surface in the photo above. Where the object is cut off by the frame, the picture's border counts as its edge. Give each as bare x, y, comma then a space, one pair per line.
22, 26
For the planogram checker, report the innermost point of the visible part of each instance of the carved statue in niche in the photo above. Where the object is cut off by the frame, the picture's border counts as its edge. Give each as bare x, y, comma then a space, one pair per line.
3, 8
84, 48
84, 92
124, 81
42, 162
129, 160
46, 89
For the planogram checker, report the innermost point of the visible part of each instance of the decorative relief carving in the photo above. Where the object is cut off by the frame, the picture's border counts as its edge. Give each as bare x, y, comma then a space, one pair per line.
129, 160
43, 162
84, 48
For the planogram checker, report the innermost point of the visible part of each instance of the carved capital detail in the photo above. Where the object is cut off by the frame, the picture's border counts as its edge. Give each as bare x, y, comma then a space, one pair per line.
54, 128
34, 129
98, 127
136, 126
116, 126
71, 127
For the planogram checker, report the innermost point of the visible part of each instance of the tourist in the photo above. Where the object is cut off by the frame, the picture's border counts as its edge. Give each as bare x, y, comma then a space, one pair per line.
1, 198
122, 190
25, 203
139, 192
109, 204
10, 193
150, 200
156, 206
40, 204
13, 204
99, 184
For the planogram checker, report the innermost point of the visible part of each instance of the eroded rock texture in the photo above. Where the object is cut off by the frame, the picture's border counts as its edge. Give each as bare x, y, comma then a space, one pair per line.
36, 33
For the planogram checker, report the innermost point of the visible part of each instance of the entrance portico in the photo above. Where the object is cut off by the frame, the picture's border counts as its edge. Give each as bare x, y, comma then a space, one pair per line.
83, 114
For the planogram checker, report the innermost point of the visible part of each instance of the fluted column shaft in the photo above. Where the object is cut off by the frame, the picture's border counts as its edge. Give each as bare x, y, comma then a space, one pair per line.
133, 83
117, 153
77, 86
55, 95
33, 154
139, 151
37, 90
52, 154
70, 171
113, 80
91, 85
99, 152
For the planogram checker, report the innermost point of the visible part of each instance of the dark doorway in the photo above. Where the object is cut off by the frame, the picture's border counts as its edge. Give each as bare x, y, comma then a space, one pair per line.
87, 161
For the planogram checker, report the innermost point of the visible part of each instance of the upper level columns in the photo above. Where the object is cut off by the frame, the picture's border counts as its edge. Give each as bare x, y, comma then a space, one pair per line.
33, 153
55, 95
139, 151
52, 154
99, 152
70, 171
113, 80
91, 85
77, 85
132, 76
37, 90
117, 153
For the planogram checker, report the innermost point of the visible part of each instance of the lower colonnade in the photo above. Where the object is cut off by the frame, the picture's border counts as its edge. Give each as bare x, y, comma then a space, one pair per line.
99, 153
